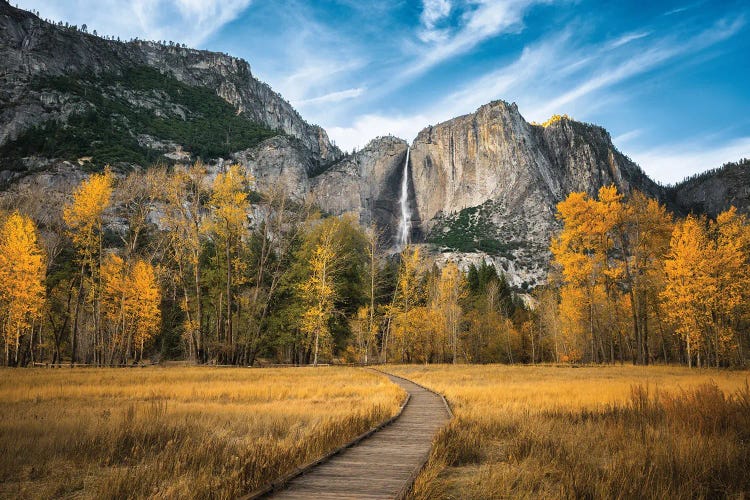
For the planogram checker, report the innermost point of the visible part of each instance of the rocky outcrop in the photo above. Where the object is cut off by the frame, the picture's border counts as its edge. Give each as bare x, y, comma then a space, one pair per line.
367, 183
279, 162
494, 154
31, 47
714, 191
490, 181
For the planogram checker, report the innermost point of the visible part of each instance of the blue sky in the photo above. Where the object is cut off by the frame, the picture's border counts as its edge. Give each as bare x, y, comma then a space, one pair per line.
669, 80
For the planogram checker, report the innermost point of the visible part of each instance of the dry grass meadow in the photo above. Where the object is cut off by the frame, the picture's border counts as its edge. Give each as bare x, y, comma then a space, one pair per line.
592, 432
185, 432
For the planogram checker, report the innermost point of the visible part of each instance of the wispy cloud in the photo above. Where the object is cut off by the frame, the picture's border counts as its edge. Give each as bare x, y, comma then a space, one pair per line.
627, 38
186, 21
557, 75
433, 12
316, 67
684, 8
314, 76
480, 21
331, 97
626, 137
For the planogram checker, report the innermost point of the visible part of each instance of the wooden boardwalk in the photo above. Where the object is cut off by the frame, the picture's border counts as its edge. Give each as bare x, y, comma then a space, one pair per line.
385, 464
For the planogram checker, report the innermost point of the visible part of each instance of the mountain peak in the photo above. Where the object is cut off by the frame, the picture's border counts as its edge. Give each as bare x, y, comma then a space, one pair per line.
33, 50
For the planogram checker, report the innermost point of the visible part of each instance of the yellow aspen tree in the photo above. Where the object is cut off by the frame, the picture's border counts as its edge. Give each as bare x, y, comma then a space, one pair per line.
688, 283
573, 322
406, 297
143, 304
22, 270
642, 237
230, 205
84, 217
606, 223
732, 277
185, 193
609, 247
423, 327
580, 253
373, 268
548, 316
364, 333
115, 290
451, 290
318, 291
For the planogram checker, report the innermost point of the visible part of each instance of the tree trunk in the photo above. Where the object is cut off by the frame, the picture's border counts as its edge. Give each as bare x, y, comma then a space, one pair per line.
230, 337
74, 326
198, 310
644, 334
636, 332
315, 356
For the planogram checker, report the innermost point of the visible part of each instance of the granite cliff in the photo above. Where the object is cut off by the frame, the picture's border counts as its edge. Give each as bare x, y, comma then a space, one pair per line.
489, 182
50, 74
713, 191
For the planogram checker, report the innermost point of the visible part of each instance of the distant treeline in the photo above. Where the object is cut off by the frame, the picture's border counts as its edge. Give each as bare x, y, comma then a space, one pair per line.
696, 178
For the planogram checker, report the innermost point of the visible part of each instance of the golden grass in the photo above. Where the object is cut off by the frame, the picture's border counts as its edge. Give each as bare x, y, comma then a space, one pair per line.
189, 432
593, 432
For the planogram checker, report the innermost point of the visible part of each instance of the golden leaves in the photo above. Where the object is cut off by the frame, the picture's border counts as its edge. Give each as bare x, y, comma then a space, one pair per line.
83, 215
22, 270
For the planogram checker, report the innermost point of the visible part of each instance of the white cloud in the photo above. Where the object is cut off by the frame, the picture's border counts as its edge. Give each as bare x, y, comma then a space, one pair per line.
679, 10
558, 76
528, 68
672, 163
331, 97
626, 137
627, 38
311, 62
483, 20
314, 75
367, 127
433, 12
603, 79
186, 21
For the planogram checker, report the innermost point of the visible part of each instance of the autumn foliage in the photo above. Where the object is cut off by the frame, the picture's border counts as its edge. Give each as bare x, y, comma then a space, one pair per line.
635, 284
22, 269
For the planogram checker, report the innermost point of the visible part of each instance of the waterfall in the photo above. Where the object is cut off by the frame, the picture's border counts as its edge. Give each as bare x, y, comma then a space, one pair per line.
405, 225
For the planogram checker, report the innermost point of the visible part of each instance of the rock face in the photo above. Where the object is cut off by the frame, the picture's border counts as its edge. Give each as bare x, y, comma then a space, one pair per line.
279, 161
367, 183
31, 47
714, 191
490, 180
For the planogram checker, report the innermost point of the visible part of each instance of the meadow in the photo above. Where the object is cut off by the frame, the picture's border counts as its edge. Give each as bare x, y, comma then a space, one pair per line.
589, 432
179, 432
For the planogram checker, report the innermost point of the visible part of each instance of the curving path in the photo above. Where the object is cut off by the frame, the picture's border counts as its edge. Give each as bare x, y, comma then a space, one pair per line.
383, 465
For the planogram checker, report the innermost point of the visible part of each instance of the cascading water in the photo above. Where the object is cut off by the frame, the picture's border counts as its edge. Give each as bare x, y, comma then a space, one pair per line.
405, 225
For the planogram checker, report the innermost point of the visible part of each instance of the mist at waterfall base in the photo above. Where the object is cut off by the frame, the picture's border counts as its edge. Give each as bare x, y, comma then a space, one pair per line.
405, 223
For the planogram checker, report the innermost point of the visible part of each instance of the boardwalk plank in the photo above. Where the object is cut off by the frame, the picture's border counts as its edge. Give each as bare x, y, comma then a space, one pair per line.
380, 466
